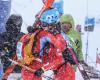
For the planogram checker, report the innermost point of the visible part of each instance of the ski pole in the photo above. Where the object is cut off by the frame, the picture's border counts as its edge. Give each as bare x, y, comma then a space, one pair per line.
74, 57
28, 68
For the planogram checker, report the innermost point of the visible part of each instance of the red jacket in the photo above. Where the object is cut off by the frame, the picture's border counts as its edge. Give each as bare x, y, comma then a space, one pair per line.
51, 55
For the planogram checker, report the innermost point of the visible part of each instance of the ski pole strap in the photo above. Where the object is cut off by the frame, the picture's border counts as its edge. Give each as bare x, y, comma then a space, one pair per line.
86, 77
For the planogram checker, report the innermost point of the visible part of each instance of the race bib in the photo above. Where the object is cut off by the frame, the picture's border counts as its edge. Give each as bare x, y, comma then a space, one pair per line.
19, 50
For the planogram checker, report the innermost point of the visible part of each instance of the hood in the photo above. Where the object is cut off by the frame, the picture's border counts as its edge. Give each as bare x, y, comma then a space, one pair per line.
67, 18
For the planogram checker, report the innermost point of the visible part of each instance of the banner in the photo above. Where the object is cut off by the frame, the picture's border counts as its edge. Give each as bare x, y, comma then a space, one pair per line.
89, 23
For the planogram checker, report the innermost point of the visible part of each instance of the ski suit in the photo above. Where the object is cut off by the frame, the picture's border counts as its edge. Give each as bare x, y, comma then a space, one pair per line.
75, 37
25, 56
10, 39
51, 56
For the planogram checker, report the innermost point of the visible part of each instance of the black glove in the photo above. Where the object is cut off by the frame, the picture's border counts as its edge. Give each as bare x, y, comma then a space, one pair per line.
55, 71
39, 72
8, 45
68, 57
4, 58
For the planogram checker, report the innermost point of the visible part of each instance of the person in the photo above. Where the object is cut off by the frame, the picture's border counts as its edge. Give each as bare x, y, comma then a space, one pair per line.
75, 37
10, 39
51, 45
24, 53
78, 28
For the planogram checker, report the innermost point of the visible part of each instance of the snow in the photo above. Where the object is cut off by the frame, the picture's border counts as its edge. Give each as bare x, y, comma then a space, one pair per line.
78, 8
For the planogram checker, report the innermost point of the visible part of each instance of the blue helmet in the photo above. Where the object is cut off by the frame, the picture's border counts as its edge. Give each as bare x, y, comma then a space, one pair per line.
58, 4
51, 16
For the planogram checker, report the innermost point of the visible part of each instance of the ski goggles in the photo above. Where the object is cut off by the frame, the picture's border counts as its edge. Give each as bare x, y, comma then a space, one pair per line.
44, 24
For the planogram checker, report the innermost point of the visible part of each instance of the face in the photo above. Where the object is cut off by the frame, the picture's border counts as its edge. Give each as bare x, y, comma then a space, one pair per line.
66, 27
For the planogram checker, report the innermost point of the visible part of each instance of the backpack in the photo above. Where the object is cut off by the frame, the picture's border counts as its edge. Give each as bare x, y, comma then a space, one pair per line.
24, 49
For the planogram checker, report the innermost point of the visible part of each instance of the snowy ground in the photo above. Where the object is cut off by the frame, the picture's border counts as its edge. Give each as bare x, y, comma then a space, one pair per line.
16, 76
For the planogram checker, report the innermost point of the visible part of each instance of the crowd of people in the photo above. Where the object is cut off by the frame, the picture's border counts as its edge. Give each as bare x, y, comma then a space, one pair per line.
51, 50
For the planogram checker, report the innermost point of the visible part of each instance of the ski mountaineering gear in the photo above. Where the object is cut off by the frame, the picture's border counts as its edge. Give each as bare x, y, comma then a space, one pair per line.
50, 16
75, 37
25, 46
39, 72
46, 6
57, 4
50, 49
10, 40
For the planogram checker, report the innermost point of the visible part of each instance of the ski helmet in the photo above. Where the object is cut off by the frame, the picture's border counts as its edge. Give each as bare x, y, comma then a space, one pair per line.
50, 16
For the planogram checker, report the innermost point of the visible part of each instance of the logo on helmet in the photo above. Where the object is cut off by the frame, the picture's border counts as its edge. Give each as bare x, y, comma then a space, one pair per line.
51, 16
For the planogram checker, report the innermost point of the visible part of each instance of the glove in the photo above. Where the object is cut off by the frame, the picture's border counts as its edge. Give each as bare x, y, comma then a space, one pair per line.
39, 72
4, 58
55, 71
68, 57
7, 47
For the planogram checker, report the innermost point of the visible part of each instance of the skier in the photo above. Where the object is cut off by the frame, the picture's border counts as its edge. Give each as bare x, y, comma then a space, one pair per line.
24, 53
51, 47
69, 28
10, 39
75, 37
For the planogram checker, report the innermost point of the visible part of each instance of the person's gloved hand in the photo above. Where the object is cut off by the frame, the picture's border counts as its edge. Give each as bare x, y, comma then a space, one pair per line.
4, 58
7, 47
39, 72
68, 57
55, 71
